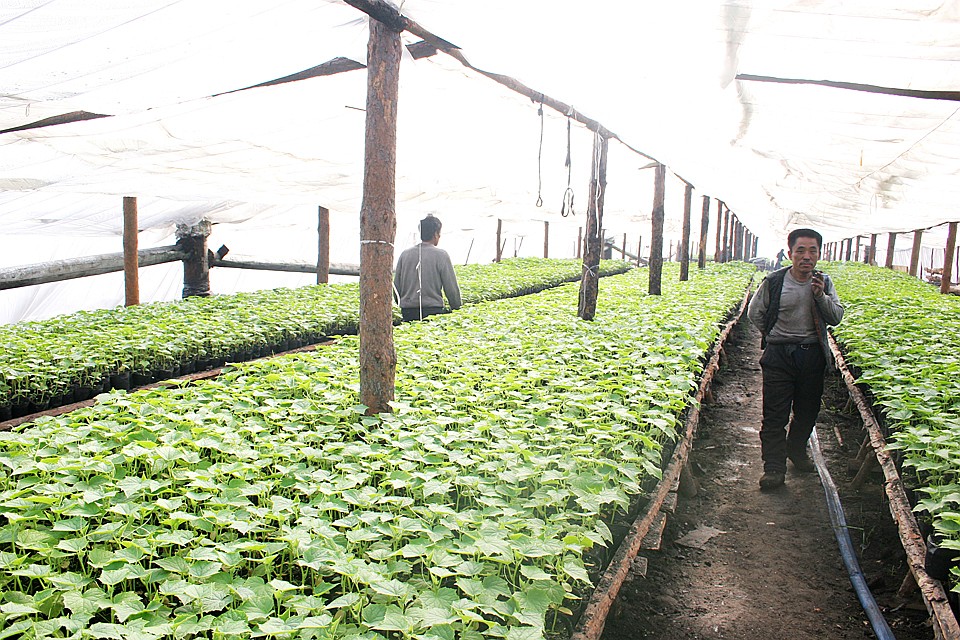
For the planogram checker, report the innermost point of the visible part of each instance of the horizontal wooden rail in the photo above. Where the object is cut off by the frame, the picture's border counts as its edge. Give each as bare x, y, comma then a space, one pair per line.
594, 617
945, 626
290, 267
71, 268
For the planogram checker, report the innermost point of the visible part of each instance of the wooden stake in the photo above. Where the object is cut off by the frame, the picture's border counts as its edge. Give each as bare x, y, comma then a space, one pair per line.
587, 305
656, 243
704, 229
685, 233
849, 248
624, 249
546, 238
716, 251
947, 278
915, 253
500, 244
323, 245
724, 248
131, 267
856, 251
639, 249
378, 220
871, 257
891, 248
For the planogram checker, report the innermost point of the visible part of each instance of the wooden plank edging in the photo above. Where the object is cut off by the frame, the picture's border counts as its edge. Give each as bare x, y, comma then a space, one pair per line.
594, 617
944, 622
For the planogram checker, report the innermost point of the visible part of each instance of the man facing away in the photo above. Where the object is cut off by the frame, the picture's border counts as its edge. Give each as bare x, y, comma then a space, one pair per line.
792, 308
424, 273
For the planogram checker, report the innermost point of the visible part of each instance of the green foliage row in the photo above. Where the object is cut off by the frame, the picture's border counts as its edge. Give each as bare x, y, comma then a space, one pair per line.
265, 504
904, 337
42, 360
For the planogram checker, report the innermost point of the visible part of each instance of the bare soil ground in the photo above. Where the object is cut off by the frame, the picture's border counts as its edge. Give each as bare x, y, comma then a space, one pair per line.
740, 563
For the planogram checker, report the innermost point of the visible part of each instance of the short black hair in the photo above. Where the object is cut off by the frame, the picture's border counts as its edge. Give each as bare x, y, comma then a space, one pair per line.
803, 233
429, 227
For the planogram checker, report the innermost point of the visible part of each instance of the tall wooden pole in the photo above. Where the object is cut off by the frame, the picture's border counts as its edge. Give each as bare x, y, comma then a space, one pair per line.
716, 252
871, 257
378, 220
639, 249
323, 245
656, 243
726, 234
131, 266
947, 279
685, 233
499, 243
704, 229
856, 251
579, 242
849, 249
891, 248
624, 249
589, 281
915, 253
546, 238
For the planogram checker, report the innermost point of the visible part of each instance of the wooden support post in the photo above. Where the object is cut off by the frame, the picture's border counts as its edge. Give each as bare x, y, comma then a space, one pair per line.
891, 248
323, 245
685, 233
639, 249
915, 254
716, 251
656, 243
131, 266
589, 281
546, 238
756, 246
378, 220
500, 244
947, 278
704, 229
196, 266
624, 249
849, 248
670, 252
856, 251
737, 239
871, 257
726, 233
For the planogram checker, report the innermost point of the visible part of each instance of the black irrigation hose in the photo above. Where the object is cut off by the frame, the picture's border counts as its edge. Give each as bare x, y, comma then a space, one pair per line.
847, 552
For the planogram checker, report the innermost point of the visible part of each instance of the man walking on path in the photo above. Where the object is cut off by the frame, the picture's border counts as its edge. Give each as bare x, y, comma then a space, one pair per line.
424, 273
792, 308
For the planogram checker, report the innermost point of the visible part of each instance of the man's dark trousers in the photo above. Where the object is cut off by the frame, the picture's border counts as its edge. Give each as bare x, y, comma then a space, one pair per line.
792, 380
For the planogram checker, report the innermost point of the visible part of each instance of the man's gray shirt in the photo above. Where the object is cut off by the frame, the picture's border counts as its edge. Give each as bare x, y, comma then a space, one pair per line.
425, 287
795, 318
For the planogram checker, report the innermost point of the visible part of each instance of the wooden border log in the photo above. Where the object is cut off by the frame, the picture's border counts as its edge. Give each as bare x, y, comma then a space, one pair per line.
71, 268
378, 218
335, 268
131, 266
656, 243
945, 624
946, 279
594, 617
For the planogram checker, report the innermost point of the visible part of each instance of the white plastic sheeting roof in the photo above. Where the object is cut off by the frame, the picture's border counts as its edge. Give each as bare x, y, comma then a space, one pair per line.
663, 78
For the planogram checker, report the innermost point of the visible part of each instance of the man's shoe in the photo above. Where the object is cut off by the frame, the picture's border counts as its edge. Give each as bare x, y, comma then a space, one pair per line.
770, 480
802, 463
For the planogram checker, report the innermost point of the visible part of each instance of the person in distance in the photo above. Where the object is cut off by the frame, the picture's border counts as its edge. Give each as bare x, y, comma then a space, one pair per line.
792, 308
424, 274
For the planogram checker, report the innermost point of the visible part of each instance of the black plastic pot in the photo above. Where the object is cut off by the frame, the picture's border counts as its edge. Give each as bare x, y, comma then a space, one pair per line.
6, 412
120, 380
140, 379
938, 560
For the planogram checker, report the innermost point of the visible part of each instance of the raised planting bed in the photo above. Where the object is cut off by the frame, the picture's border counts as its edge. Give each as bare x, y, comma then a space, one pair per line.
74, 357
901, 338
265, 503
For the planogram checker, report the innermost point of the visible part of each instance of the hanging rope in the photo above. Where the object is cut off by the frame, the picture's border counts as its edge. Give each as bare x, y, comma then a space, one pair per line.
566, 209
540, 158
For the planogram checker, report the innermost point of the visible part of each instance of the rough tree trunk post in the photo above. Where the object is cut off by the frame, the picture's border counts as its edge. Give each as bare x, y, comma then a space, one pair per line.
756, 246
378, 220
131, 265
579, 252
499, 243
546, 239
196, 267
856, 251
589, 281
685, 233
915, 253
656, 242
849, 249
724, 245
716, 252
704, 230
738, 240
891, 248
639, 249
323, 245
871, 257
623, 251
947, 278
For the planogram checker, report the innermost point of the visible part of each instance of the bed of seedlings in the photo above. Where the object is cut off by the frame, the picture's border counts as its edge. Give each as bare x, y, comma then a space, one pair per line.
264, 503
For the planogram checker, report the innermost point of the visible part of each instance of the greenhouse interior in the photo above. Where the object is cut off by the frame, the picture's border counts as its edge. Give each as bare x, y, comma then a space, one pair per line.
217, 419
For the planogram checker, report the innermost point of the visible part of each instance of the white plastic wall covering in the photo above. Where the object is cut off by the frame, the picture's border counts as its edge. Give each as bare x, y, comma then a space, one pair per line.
259, 162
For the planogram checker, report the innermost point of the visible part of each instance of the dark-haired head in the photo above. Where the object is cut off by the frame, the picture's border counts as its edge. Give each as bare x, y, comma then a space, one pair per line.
796, 234
429, 227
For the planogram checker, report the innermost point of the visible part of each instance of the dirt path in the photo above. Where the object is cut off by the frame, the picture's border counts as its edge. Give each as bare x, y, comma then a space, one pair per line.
738, 563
